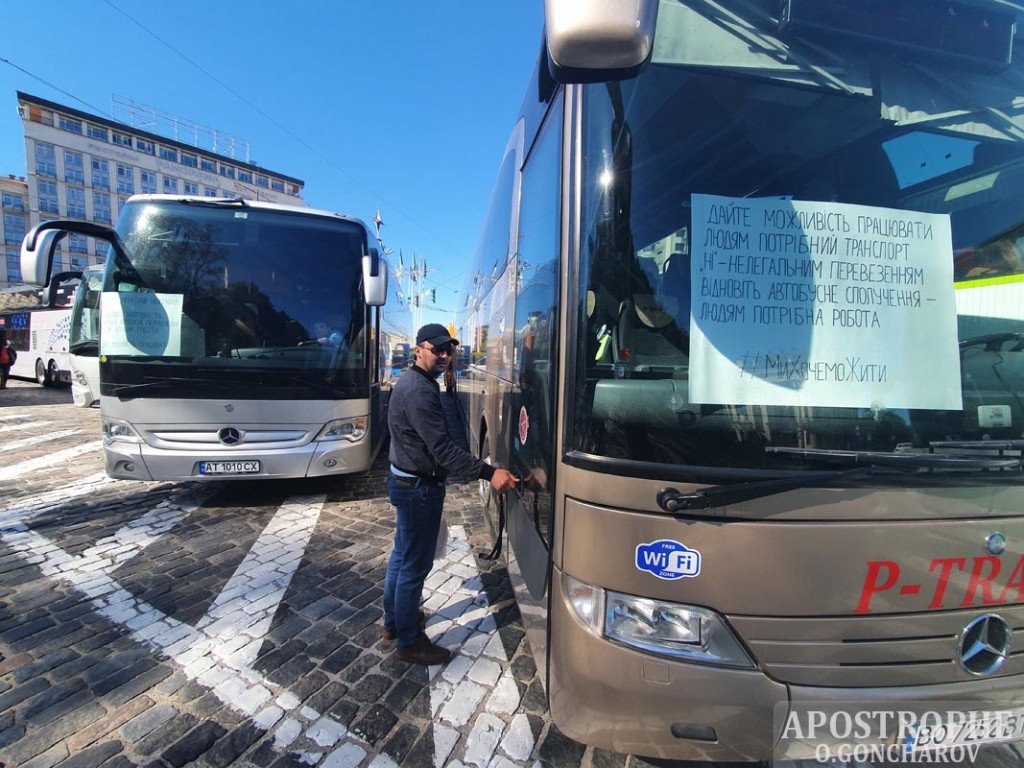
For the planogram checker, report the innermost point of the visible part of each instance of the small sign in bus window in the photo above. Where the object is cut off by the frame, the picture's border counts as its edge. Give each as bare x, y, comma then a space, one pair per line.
828, 304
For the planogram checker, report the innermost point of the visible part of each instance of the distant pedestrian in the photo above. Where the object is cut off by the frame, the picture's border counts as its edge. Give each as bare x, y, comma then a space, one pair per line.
7, 358
422, 455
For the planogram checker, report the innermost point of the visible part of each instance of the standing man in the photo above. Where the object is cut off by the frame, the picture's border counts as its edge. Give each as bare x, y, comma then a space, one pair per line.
7, 358
422, 454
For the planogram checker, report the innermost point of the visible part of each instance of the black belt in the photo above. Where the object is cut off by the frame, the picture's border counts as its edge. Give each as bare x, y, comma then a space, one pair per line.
415, 482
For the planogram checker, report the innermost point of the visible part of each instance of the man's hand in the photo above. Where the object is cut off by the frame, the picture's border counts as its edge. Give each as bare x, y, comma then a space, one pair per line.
503, 480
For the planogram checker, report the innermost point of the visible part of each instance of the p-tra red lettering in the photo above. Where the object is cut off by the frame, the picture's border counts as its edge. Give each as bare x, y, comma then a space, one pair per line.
875, 582
982, 583
1016, 582
945, 565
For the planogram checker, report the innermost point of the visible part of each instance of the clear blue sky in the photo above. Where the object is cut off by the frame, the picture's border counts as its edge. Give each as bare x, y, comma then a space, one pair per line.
399, 105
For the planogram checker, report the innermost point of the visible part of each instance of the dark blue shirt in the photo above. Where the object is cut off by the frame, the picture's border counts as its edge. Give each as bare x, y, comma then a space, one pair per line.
420, 443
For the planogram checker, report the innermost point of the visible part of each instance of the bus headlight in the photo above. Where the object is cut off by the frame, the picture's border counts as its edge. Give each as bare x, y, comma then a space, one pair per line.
116, 430
685, 632
352, 430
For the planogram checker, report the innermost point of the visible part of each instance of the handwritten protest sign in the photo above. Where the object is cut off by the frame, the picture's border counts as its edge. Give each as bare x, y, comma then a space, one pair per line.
827, 304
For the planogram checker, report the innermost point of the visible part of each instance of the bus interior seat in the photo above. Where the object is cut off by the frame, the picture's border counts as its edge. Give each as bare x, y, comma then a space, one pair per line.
648, 336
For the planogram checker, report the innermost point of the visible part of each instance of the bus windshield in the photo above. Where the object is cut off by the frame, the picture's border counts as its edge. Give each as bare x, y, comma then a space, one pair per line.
268, 302
783, 262
84, 335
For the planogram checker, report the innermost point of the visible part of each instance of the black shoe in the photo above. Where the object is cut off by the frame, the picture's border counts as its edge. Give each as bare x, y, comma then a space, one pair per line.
391, 634
424, 653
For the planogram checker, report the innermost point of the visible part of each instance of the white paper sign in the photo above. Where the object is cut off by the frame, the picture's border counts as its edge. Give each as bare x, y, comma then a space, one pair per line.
821, 304
140, 324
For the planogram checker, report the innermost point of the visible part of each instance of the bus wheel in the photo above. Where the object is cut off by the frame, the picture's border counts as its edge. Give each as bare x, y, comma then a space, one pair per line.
42, 374
53, 373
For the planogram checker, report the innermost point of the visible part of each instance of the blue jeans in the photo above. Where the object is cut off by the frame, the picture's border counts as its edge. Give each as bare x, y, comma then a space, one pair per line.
417, 520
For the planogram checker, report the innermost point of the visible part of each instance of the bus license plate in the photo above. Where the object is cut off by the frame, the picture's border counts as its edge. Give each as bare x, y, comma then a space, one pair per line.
228, 467
964, 729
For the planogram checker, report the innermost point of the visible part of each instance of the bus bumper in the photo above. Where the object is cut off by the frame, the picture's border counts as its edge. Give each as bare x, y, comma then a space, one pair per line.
606, 695
613, 697
139, 461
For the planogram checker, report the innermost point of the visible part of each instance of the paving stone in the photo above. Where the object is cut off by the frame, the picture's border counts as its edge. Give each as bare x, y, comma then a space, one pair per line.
231, 746
193, 744
557, 749
112, 721
164, 735
143, 723
94, 756
375, 724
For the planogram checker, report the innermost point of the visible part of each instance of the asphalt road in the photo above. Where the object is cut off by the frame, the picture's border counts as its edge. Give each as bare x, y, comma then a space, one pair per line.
237, 623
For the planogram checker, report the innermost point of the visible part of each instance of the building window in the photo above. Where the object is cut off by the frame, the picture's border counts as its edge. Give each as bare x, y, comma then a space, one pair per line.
208, 165
145, 146
293, 189
40, 115
166, 153
209, 191
122, 139
191, 188
125, 180
227, 170
147, 182
277, 186
46, 161
70, 124
192, 161
48, 197
78, 244
74, 170
170, 186
121, 202
14, 228
100, 174
13, 266
79, 262
76, 202
262, 181
101, 207
95, 132
13, 202
245, 176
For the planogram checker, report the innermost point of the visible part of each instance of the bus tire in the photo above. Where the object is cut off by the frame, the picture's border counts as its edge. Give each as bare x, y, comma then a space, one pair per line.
42, 374
53, 372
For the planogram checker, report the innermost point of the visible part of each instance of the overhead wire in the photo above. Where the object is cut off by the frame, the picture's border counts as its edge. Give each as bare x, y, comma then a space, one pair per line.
287, 131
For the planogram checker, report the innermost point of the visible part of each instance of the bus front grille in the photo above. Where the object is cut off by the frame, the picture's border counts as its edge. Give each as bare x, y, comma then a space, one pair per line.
872, 651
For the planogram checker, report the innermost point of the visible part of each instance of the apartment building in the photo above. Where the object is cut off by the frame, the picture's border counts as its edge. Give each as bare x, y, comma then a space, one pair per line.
84, 166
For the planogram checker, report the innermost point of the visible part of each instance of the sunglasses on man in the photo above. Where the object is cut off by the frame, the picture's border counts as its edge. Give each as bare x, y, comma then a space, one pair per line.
440, 350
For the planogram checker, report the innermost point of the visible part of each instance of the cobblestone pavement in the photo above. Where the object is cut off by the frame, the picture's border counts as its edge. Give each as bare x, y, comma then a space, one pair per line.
237, 623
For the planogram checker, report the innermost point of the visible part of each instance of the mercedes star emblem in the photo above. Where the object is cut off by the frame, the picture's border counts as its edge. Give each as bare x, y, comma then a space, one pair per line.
984, 644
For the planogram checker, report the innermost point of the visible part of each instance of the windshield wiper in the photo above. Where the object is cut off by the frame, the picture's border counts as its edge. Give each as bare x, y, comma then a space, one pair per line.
166, 382
903, 460
672, 500
854, 463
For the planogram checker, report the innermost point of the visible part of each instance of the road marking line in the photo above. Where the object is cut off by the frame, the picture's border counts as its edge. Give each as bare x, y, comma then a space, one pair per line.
25, 442
26, 509
24, 426
248, 601
16, 470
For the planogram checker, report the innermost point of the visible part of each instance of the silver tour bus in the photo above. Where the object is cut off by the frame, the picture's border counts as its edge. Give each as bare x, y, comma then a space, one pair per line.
747, 313
237, 339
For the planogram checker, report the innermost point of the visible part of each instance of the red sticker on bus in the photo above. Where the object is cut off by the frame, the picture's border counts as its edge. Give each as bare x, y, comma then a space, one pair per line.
524, 425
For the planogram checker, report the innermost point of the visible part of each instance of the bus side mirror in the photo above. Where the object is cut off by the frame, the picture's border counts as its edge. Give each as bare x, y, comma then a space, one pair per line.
590, 41
37, 254
375, 279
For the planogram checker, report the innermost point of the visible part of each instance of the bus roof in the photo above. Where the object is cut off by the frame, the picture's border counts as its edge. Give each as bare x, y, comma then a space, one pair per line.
261, 204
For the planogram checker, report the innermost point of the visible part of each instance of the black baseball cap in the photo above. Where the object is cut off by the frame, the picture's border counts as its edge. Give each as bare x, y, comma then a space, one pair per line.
436, 334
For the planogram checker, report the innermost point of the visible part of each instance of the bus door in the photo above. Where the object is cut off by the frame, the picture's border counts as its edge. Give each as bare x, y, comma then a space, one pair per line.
533, 399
